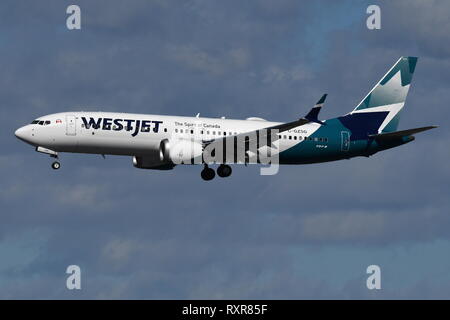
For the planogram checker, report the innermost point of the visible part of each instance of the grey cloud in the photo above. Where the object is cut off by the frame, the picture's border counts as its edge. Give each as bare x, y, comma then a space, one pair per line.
197, 59
145, 234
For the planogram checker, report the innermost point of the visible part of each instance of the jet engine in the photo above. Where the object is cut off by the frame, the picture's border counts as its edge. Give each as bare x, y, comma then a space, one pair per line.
181, 151
170, 154
155, 159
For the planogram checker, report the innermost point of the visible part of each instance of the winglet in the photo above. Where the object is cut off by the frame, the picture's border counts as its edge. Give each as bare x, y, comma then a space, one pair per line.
314, 112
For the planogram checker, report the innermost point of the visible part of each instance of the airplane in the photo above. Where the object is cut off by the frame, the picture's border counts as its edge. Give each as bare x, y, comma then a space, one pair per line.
161, 142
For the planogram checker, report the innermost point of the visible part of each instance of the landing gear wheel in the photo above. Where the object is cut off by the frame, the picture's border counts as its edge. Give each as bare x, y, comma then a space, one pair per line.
56, 165
208, 174
224, 170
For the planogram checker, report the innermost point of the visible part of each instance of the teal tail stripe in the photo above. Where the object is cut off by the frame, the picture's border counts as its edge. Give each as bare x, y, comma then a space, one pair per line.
393, 87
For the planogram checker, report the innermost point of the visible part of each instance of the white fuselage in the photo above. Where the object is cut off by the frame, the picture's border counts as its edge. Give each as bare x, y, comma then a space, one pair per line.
137, 134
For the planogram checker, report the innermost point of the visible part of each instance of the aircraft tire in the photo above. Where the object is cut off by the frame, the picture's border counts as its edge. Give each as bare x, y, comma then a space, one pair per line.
56, 165
208, 174
224, 171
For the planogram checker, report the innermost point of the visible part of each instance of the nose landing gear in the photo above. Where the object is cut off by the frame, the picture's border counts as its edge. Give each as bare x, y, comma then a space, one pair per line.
56, 165
53, 154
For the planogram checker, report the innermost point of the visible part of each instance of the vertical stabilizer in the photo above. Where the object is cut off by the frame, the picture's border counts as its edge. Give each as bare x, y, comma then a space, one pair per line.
389, 94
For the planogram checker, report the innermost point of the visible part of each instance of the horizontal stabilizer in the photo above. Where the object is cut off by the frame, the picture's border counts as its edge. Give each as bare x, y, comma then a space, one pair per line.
399, 134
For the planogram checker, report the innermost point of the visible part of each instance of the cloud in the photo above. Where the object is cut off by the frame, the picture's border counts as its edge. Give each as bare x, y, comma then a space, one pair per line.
425, 32
147, 234
199, 60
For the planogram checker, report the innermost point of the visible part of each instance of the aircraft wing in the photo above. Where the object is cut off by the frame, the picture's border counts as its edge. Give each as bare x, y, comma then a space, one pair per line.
270, 133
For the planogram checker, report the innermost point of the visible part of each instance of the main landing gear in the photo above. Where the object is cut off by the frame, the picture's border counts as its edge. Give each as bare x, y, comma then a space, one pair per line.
207, 173
222, 171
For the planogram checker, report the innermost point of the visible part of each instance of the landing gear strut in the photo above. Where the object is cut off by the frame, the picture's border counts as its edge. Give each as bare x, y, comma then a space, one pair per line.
224, 170
207, 173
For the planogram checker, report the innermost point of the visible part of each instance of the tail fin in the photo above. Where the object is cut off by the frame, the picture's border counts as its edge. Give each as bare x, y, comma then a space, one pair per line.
389, 94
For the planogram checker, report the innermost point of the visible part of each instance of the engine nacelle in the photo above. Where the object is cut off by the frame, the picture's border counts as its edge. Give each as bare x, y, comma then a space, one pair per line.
148, 162
181, 151
158, 159
170, 154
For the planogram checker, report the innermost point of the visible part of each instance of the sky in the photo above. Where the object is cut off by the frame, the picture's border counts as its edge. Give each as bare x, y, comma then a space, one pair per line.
308, 232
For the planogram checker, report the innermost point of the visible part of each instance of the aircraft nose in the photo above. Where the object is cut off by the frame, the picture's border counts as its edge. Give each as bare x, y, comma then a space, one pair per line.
21, 133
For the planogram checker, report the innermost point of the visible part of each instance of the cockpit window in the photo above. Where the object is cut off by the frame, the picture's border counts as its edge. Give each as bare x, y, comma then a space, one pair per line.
41, 122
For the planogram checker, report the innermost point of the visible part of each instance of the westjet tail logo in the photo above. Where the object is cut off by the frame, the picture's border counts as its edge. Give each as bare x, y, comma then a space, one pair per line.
135, 126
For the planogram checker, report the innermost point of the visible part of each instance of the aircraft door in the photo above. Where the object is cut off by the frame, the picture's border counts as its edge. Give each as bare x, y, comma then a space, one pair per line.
345, 141
71, 126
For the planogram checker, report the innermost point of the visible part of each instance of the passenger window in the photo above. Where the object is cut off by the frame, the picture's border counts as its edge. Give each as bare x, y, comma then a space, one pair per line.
295, 137
192, 131
165, 129
229, 133
176, 130
201, 132
214, 133
207, 132
290, 137
224, 133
